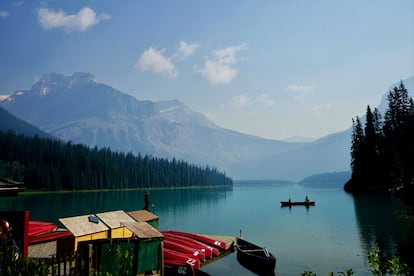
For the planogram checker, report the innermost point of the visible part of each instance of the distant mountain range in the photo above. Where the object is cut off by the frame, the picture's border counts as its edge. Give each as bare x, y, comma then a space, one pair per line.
80, 109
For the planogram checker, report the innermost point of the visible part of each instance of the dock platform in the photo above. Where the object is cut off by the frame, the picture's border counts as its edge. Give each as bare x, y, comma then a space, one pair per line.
230, 247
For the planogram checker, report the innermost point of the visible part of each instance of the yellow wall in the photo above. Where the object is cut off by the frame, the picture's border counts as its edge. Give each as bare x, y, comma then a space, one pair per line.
90, 237
121, 232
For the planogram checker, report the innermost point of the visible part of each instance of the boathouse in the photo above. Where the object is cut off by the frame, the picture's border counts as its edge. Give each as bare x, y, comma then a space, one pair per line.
115, 221
145, 216
148, 248
86, 228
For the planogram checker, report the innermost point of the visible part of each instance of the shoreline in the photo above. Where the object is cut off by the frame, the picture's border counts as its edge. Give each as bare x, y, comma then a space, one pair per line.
31, 192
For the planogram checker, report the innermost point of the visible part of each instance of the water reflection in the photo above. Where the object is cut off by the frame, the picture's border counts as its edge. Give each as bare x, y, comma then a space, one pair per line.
52, 206
380, 225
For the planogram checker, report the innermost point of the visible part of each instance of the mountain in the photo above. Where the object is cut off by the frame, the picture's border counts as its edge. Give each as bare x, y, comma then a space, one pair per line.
327, 154
333, 180
8, 122
299, 139
81, 109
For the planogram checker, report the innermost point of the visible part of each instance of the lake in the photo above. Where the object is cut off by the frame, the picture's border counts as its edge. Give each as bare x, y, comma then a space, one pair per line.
334, 235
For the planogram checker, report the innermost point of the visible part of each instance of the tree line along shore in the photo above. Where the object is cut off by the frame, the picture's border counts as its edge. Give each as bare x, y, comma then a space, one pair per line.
53, 165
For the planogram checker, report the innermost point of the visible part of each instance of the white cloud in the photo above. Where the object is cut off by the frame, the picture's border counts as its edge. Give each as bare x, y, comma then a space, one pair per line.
186, 49
155, 61
4, 14
81, 21
220, 68
216, 72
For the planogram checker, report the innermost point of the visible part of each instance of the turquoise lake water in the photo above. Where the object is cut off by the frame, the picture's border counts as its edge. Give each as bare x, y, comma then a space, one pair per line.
334, 235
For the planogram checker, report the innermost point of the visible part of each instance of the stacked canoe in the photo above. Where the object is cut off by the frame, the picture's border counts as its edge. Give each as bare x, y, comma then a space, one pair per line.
189, 250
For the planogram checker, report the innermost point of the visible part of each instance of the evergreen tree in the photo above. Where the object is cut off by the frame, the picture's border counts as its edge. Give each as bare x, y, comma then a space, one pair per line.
357, 152
357, 156
381, 153
397, 137
45, 164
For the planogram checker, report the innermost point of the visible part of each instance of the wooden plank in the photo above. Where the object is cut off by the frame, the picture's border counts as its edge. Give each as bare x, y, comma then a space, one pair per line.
229, 240
143, 215
114, 219
230, 247
80, 225
42, 250
143, 230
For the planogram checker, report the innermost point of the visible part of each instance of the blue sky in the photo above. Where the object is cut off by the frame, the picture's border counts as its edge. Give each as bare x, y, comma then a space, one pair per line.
275, 69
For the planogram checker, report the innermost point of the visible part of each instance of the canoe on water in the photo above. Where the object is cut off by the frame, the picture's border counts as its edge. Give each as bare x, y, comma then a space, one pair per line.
296, 203
255, 258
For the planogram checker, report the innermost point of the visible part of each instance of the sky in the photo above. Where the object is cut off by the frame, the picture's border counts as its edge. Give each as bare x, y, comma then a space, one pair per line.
275, 69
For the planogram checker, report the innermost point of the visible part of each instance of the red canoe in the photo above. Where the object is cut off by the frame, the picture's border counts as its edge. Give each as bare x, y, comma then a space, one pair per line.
37, 228
197, 253
183, 258
40, 231
172, 267
210, 251
191, 243
212, 242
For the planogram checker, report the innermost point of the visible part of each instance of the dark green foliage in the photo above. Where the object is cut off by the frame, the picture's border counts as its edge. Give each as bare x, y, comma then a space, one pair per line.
46, 164
13, 263
378, 266
382, 151
381, 266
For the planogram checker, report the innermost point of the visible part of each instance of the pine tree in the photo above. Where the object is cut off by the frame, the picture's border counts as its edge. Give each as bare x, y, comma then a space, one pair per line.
381, 153
397, 140
357, 157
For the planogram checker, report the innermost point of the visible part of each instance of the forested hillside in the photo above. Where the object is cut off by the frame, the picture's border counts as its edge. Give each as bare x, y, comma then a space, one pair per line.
382, 150
47, 164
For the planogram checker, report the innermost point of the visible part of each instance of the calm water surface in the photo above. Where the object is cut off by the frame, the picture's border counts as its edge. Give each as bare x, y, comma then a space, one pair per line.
334, 235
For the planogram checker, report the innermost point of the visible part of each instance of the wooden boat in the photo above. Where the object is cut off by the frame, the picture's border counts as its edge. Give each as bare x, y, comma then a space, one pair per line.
197, 253
297, 203
182, 258
255, 258
215, 243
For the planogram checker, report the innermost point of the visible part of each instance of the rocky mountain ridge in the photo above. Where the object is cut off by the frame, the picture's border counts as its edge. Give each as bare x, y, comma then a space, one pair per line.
80, 109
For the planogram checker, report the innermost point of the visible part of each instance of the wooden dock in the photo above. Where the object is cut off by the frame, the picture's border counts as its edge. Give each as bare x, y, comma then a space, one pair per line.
230, 247
42, 251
